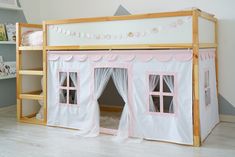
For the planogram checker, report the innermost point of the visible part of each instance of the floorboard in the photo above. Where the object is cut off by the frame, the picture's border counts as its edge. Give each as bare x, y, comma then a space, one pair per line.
27, 140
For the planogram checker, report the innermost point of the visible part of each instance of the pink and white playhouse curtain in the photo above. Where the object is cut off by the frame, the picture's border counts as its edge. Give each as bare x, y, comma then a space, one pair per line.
101, 78
209, 114
156, 86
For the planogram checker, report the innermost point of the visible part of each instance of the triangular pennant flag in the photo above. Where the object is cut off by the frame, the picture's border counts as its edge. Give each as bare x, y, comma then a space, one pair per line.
121, 11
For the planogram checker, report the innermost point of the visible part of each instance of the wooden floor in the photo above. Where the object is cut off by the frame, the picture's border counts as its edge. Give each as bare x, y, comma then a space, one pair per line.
26, 140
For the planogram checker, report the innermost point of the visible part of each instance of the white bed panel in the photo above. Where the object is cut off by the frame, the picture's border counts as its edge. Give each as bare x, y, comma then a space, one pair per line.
167, 34
206, 31
174, 128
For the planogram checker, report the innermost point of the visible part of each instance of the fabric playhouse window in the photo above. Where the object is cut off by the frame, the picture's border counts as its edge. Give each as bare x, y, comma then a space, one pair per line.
207, 88
161, 93
68, 87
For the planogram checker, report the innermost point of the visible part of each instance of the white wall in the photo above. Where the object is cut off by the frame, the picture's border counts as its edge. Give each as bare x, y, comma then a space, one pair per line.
31, 10
38, 10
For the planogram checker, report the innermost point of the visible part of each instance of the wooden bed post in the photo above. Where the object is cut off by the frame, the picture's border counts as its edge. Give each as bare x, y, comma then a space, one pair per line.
45, 72
196, 114
18, 67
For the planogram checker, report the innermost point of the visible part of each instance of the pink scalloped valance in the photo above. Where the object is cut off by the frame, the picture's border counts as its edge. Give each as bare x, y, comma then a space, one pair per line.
121, 55
206, 54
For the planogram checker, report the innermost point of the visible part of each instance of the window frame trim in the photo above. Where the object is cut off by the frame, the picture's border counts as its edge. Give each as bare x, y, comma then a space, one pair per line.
205, 89
67, 88
161, 94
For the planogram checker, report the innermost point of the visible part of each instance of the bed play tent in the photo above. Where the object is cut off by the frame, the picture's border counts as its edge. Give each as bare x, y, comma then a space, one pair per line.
162, 65
156, 86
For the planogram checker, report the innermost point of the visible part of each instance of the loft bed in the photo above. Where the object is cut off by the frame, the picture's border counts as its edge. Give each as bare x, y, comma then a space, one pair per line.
192, 30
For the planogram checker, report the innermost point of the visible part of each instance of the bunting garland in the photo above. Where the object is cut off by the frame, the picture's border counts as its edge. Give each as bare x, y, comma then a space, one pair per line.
126, 35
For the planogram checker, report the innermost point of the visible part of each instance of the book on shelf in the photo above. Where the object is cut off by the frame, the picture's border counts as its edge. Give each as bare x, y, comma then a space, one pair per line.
3, 35
10, 31
7, 68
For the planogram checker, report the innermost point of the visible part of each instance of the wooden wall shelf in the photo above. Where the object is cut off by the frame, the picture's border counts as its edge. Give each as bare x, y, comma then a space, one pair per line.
8, 7
8, 42
7, 77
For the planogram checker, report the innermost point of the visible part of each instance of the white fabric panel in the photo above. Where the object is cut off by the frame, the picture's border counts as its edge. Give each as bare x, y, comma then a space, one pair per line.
91, 122
209, 115
169, 35
177, 128
173, 128
206, 30
120, 79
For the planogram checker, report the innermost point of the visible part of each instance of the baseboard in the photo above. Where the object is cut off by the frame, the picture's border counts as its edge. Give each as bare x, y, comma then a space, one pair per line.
7, 108
227, 118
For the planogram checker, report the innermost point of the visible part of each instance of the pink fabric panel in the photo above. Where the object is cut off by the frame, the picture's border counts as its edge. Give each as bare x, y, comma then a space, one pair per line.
53, 57
111, 57
128, 58
67, 58
146, 58
207, 54
186, 57
165, 57
81, 58
96, 58
124, 55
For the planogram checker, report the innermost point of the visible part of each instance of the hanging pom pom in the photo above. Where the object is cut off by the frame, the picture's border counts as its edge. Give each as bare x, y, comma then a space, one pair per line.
55, 28
155, 30
108, 36
130, 34
137, 34
98, 36
64, 31
67, 33
82, 35
78, 35
59, 30
115, 37
73, 33
51, 26
143, 34
87, 35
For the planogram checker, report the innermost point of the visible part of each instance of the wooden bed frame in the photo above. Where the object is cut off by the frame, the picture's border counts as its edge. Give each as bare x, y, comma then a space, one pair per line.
195, 46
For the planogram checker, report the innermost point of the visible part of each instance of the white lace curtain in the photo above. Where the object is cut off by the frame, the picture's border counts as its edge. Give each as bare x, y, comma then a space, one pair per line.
170, 83
120, 78
73, 76
153, 82
92, 124
63, 76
